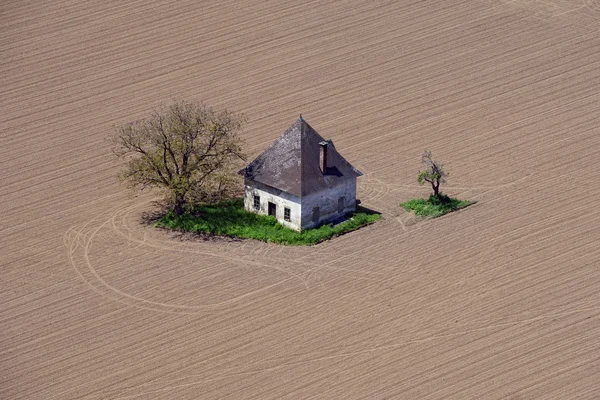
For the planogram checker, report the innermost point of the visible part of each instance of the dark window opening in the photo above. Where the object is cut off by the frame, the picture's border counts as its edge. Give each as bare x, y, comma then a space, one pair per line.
272, 209
316, 214
256, 202
286, 214
341, 204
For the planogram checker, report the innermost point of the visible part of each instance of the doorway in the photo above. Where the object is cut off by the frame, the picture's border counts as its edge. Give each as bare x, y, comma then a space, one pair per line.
273, 209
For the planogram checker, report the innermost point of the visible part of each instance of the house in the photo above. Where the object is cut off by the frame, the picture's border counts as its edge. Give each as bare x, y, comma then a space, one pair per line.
301, 179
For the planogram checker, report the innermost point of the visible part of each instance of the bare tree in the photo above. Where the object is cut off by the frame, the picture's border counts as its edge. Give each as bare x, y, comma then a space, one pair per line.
188, 150
433, 173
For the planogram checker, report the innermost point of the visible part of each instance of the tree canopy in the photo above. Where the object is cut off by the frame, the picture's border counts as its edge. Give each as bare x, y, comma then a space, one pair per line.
189, 150
433, 173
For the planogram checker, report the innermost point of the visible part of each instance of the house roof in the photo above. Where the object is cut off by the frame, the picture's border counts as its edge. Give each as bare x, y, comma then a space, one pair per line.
292, 163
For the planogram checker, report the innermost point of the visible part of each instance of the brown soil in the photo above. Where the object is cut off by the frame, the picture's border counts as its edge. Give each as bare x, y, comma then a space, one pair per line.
497, 301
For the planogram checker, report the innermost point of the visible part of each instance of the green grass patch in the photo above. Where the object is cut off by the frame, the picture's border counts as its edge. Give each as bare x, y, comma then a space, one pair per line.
435, 206
231, 219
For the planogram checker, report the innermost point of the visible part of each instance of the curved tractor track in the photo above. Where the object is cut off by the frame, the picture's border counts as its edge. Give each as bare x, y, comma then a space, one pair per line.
496, 301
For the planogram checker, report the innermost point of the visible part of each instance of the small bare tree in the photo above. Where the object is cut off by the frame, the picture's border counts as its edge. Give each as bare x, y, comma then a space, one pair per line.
433, 173
187, 149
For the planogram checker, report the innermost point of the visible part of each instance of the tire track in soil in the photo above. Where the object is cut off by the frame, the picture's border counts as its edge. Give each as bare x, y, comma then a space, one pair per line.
82, 239
78, 242
396, 73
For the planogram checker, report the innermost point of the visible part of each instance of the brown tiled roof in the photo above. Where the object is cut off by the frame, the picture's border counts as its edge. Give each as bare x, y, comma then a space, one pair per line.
291, 163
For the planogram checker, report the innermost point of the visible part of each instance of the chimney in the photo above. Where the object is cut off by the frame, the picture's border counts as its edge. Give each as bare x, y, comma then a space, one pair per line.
323, 157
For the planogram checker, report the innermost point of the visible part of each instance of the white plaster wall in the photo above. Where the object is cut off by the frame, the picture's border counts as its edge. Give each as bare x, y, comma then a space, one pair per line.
281, 199
327, 201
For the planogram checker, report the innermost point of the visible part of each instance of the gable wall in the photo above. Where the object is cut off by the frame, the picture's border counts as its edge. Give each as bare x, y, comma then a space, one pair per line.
281, 199
327, 201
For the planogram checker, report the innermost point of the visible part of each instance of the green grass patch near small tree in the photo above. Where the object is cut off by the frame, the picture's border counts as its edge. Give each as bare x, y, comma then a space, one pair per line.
231, 219
435, 206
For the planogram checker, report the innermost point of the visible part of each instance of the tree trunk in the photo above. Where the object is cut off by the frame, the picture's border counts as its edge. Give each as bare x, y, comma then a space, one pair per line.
178, 206
177, 209
436, 188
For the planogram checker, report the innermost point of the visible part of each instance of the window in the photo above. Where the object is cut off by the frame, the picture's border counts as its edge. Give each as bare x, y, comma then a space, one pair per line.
256, 202
286, 214
316, 214
341, 204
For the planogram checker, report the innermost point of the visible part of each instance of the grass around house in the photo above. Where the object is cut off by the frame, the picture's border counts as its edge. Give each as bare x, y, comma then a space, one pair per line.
231, 219
435, 206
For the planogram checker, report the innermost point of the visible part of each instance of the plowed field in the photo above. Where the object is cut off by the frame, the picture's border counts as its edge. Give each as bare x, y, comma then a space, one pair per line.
500, 300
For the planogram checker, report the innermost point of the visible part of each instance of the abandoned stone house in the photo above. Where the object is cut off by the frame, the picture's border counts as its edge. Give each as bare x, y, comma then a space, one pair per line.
301, 179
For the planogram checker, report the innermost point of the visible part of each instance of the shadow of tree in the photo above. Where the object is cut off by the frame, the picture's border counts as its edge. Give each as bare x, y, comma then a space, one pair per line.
151, 217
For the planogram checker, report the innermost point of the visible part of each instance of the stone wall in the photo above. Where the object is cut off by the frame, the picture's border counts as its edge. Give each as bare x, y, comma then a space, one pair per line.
279, 198
328, 203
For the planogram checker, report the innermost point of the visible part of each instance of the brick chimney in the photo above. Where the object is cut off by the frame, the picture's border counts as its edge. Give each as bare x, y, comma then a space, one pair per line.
323, 157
